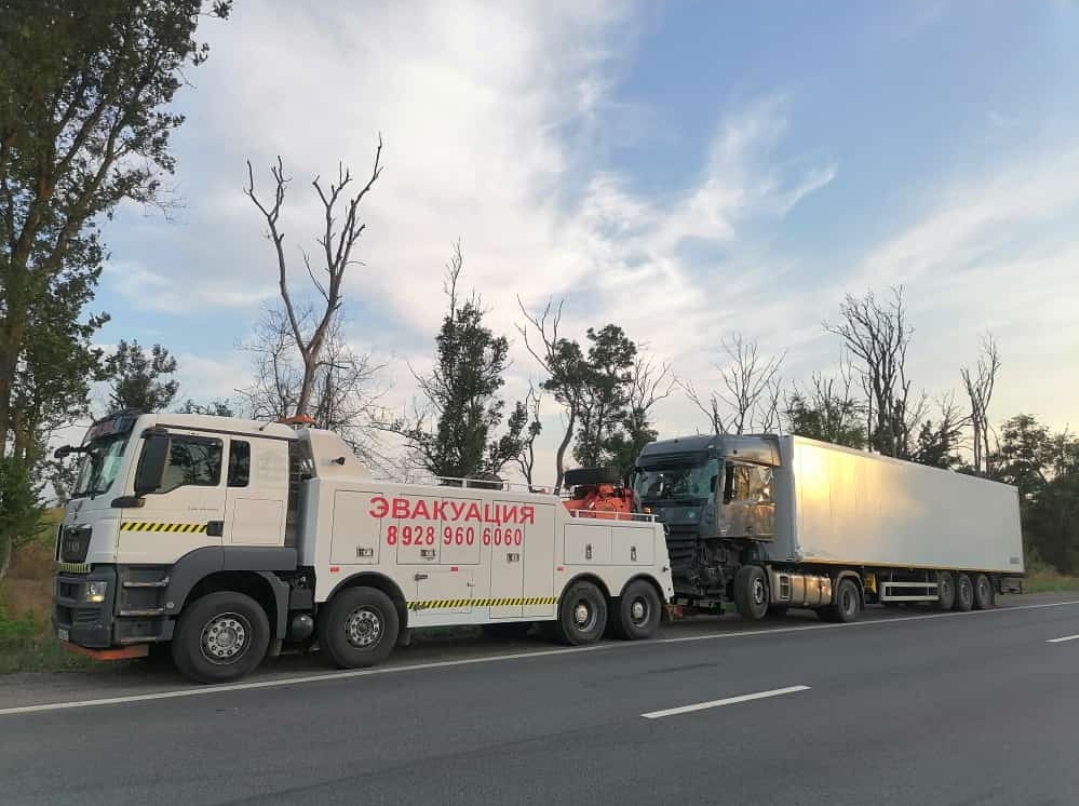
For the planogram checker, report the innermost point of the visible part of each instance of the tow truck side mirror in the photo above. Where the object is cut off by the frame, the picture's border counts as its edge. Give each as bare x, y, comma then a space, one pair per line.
152, 464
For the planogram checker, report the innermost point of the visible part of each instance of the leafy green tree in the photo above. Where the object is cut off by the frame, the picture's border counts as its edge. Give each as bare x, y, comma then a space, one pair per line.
85, 120
605, 393
142, 381
214, 408
567, 368
86, 91
1045, 468
463, 394
22, 510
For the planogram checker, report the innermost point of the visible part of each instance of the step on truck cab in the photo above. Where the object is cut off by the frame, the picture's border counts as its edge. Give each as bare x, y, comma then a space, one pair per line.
227, 539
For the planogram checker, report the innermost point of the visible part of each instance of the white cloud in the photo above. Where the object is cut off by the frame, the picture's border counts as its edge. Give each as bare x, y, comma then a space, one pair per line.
495, 118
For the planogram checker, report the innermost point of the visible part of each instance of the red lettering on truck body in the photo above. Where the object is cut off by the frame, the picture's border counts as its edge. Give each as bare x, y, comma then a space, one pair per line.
379, 506
421, 509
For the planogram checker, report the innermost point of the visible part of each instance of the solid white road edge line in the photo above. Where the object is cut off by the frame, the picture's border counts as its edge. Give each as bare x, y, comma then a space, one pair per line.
275, 682
703, 706
1062, 640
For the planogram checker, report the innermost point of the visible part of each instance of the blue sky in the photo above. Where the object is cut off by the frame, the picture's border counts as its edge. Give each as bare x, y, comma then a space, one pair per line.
688, 169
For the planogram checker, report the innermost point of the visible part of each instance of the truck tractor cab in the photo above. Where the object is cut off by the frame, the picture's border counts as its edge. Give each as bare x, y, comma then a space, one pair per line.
161, 501
716, 496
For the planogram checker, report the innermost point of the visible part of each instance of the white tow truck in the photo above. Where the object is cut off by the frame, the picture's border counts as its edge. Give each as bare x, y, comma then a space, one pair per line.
228, 540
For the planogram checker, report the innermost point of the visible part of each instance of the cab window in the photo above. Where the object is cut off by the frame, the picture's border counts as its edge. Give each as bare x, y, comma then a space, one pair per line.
192, 462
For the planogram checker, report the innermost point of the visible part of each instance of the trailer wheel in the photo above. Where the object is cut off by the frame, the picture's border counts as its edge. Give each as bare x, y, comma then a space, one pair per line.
751, 592
984, 595
582, 615
639, 612
358, 628
220, 638
945, 591
964, 594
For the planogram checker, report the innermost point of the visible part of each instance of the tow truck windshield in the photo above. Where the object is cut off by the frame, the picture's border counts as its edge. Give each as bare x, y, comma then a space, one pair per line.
100, 465
691, 479
102, 451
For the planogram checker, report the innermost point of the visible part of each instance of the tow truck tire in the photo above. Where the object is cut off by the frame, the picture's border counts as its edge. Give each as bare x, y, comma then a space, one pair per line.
639, 612
582, 615
964, 593
220, 638
945, 591
751, 592
358, 628
984, 597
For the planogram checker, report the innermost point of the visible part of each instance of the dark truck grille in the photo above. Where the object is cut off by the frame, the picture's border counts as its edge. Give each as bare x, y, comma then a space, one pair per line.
74, 544
681, 548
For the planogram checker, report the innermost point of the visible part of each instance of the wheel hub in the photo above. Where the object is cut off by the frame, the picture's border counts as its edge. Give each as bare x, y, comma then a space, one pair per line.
582, 614
224, 638
363, 627
758, 591
638, 611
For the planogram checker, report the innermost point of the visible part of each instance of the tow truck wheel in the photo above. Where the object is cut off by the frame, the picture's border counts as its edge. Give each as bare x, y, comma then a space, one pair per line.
751, 592
639, 612
358, 628
983, 593
582, 615
964, 593
220, 638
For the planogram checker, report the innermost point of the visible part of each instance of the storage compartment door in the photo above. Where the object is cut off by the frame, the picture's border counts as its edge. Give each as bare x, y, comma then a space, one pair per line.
356, 535
507, 572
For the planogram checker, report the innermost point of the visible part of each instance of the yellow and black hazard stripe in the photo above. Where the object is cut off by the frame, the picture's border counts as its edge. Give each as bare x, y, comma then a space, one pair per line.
152, 526
515, 601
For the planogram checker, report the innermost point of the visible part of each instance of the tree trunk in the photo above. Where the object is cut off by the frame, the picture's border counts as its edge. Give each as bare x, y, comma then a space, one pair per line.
560, 456
304, 402
6, 553
9, 363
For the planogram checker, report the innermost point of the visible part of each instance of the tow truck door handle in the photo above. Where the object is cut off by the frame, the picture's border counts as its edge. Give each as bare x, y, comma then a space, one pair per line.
215, 528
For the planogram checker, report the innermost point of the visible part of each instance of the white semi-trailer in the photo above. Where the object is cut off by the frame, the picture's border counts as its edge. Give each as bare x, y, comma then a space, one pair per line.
769, 522
226, 539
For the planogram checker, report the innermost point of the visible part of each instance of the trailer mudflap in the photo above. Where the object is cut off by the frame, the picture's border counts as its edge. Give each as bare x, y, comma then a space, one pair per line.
122, 653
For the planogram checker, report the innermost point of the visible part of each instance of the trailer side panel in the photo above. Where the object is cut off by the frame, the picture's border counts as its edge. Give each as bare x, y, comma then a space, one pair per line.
860, 509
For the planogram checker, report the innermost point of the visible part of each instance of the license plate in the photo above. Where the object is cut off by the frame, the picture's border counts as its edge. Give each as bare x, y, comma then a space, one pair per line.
63, 634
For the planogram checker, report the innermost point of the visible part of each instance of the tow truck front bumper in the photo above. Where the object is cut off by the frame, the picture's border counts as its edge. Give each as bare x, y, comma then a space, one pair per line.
121, 624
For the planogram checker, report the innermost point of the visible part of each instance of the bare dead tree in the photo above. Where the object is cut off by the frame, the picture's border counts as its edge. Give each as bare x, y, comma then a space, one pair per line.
878, 336
751, 389
344, 396
337, 243
979, 389
566, 367
648, 386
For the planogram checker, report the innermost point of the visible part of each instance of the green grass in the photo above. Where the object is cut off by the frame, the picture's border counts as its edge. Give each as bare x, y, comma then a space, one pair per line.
1049, 582
26, 645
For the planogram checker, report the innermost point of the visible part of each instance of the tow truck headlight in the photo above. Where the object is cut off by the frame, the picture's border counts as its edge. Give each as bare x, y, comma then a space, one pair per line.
94, 592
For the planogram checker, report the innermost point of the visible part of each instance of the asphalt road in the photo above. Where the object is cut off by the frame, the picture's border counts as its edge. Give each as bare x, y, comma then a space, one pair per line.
955, 710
